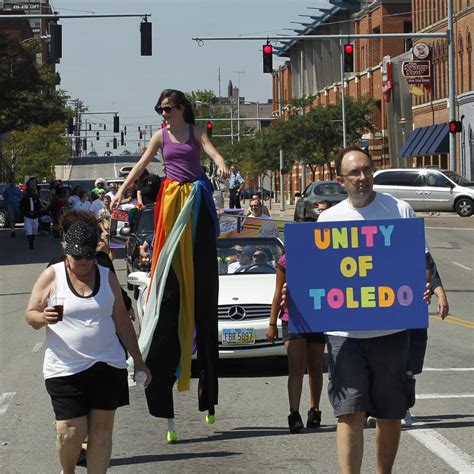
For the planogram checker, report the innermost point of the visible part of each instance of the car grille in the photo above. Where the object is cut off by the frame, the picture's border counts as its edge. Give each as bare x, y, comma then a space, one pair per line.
252, 311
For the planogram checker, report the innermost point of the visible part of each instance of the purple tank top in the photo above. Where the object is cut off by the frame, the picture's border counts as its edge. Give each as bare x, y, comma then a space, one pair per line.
182, 160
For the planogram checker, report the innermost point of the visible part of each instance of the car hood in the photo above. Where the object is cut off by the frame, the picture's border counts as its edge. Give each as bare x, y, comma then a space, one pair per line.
246, 288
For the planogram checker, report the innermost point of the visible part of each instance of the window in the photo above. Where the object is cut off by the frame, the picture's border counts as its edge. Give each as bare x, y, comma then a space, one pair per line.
436, 179
328, 189
399, 178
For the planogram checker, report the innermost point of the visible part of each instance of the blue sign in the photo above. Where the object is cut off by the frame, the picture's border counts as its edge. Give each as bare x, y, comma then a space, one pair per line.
356, 275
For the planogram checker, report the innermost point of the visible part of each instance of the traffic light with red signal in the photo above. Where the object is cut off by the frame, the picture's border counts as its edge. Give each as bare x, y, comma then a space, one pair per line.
455, 126
348, 57
267, 58
209, 128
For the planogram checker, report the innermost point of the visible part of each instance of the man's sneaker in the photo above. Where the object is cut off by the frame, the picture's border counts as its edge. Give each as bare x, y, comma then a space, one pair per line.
314, 418
408, 420
295, 422
371, 422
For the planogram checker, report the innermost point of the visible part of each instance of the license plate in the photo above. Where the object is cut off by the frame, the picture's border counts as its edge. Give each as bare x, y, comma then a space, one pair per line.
241, 336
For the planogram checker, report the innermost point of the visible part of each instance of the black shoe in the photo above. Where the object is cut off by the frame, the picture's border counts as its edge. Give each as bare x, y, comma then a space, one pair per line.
314, 418
295, 422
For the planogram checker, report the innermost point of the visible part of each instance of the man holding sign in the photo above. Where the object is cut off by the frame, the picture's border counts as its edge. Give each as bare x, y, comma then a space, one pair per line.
367, 368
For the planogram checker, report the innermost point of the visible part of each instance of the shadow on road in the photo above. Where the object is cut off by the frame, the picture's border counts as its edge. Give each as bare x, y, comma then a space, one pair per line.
254, 432
444, 421
151, 458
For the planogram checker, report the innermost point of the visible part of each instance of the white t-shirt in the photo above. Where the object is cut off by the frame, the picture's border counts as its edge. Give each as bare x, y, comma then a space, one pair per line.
82, 206
96, 206
86, 334
74, 199
384, 206
261, 216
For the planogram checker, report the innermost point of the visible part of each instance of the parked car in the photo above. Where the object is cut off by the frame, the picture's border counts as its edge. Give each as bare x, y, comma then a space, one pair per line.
136, 234
117, 181
428, 189
262, 193
245, 298
3, 210
124, 171
306, 208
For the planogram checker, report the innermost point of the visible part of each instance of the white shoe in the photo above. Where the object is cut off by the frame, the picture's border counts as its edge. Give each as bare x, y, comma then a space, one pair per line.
371, 422
408, 420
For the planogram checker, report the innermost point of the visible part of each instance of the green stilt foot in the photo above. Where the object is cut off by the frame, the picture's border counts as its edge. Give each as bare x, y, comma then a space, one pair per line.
171, 437
210, 419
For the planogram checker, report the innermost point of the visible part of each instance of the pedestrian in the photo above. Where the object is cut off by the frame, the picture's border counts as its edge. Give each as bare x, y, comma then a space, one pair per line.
236, 183
112, 190
104, 221
99, 185
83, 204
74, 197
418, 338
148, 186
98, 203
304, 351
84, 367
182, 302
12, 198
367, 369
31, 209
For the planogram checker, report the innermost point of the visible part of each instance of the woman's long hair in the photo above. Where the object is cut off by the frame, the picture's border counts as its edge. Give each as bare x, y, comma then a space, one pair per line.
179, 100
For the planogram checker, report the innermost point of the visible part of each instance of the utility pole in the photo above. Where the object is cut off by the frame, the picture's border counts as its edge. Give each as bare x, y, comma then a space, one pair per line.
452, 84
282, 176
343, 95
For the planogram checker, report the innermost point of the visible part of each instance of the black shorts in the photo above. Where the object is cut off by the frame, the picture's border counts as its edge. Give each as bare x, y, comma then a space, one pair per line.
369, 375
100, 387
314, 337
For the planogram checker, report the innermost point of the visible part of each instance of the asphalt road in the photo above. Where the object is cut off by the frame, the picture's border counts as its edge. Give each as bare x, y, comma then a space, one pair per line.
251, 430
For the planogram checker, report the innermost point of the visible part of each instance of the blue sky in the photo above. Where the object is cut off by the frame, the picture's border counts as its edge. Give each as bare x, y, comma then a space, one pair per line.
102, 66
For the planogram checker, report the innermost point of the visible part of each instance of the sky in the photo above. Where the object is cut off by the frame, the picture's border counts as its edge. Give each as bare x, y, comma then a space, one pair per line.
101, 63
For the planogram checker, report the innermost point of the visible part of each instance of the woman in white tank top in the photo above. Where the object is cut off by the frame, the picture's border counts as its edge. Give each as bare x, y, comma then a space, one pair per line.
85, 362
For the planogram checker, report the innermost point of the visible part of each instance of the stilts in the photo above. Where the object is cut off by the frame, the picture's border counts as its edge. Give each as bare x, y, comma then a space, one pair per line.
211, 416
171, 436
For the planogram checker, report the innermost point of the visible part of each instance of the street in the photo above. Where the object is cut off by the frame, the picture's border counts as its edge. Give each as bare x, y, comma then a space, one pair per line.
251, 432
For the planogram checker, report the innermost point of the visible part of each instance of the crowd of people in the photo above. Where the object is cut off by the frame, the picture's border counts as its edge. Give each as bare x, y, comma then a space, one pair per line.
89, 333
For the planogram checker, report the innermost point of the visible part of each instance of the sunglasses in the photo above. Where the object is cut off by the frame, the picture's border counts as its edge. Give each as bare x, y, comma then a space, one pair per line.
77, 257
166, 108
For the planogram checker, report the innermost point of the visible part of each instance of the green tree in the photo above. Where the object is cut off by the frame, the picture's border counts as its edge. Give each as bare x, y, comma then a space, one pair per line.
36, 151
27, 91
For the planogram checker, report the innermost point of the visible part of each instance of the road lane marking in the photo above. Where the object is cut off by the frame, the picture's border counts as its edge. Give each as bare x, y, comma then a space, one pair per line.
37, 347
436, 396
459, 322
5, 400
451, 454
448, 369
461, 266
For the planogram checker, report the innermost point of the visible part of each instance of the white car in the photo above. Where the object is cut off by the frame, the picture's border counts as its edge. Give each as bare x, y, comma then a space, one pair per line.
245, 296
124, 171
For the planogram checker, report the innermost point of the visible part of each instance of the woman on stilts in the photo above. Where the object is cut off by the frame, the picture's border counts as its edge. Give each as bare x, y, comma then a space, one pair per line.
183, 296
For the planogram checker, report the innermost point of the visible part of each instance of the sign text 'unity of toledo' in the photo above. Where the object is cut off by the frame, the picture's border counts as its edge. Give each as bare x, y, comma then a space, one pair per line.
357, 275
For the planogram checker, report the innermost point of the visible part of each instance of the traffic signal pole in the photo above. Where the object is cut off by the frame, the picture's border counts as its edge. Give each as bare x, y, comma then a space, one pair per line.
343, 95
448, 35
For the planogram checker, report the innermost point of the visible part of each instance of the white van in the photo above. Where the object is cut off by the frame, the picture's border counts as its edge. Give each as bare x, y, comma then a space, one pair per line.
428, 189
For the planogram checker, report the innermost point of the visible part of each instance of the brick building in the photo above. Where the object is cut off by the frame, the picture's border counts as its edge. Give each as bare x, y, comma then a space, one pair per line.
312, 68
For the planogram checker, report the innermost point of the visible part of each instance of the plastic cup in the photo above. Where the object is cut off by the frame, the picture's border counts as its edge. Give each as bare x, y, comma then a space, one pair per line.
57, 302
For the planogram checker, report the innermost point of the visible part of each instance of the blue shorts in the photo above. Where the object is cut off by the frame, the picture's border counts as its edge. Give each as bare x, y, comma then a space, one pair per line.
369, 375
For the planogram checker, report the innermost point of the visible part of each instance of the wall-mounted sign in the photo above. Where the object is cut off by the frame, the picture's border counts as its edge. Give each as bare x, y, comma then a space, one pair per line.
421, 51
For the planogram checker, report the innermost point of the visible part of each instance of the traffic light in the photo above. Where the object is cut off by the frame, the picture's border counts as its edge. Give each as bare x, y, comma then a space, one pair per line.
55, 47
97, 136
122, 139
455, 126
145, 38
349, 57
140, 134
116, 124
115, 143
267, 58
105, 126
209, 129
70, 126
84, 144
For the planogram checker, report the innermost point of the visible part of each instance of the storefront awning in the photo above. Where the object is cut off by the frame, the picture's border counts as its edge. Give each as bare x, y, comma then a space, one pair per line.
432, 140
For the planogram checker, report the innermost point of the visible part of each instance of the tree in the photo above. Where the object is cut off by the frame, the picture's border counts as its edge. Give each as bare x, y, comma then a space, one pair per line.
36, 151
27, 91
